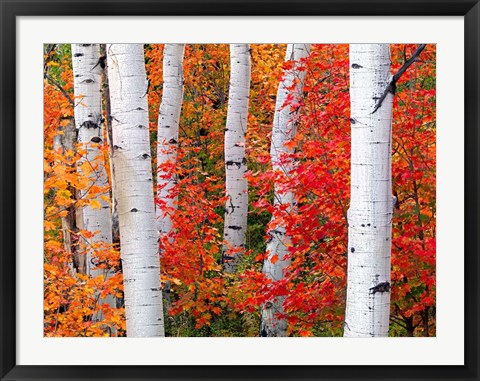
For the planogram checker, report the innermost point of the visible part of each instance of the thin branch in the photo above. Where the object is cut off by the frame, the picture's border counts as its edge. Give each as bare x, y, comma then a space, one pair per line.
407, 64
392, 85
53, 82
50, 49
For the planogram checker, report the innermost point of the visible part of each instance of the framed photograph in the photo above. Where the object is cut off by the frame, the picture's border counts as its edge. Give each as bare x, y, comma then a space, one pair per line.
239, 190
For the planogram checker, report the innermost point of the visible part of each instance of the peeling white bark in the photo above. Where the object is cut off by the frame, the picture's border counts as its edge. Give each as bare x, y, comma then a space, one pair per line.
235, 157
168, 121
134, 187
89, 124
282, 132
371, 208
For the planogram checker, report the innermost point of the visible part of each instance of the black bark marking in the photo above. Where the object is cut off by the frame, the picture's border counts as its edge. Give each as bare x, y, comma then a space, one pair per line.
88, 80
134, 210
145, 156
233, 227
95, 139
231, 162
353, 121
101, 62
89, 124
381, 287
115, 147
141, 126
231, 206
352, 250
78, 55
356, 66
172, 141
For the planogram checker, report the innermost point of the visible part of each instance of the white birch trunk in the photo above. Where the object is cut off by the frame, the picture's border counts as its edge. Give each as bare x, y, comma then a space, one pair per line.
371, 207
168, 121
134, 190
89, 124
108, 128
283, 131
235, 157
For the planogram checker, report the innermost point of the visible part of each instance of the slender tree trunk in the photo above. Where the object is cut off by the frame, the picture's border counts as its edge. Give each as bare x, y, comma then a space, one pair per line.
89, 124
284, 128
425, 321
168, 121
109, 135
134, 188
65, 142
235, 157
371, 206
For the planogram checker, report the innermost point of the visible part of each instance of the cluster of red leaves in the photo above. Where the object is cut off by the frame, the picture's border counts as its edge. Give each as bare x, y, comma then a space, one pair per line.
315, 282
414, 164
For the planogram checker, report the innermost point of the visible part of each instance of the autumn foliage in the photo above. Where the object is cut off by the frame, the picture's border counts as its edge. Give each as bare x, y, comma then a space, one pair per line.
200, 298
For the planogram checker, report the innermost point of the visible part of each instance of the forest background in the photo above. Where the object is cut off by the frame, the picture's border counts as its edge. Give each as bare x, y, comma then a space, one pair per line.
204, 300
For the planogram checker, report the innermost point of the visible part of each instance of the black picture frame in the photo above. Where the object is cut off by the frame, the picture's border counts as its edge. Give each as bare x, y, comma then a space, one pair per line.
10, 9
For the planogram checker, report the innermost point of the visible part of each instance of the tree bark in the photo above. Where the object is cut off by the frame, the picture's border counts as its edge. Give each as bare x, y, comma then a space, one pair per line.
371, 206
65, 142
168, 122
134, 188
89, 124
284, 128
109, 135
235, 157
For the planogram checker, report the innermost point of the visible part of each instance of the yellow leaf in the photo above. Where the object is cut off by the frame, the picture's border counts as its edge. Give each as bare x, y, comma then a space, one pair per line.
49, 226
95, 204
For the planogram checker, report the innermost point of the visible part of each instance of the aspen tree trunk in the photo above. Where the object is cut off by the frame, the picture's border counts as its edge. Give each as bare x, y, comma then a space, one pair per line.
371, 206
108, 127
89, 124
235, 157
282, 132
134, 188
168, 121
